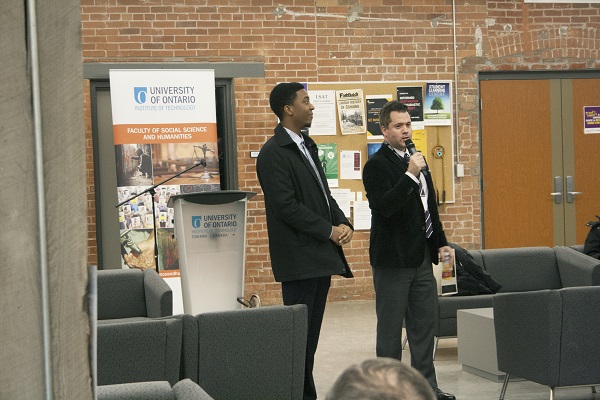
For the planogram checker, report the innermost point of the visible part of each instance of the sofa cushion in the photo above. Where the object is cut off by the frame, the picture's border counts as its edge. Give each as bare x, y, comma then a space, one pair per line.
449, 305
523, 269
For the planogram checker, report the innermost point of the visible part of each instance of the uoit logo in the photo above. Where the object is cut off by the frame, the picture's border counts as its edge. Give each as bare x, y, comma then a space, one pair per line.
140, 94
196, 222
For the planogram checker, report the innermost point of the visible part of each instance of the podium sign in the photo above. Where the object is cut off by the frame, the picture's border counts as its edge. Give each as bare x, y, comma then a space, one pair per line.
210, 229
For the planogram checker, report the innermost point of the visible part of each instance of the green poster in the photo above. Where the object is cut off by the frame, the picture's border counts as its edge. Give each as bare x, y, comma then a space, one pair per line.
329, 159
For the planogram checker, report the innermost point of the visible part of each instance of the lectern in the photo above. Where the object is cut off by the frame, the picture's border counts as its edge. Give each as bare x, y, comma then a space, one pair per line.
210, 229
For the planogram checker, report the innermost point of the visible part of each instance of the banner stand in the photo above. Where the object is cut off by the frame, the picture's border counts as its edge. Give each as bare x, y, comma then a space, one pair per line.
210, 229
152, 191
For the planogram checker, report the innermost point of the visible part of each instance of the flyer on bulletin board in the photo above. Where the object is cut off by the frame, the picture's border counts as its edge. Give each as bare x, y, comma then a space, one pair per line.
419, 138
323, 122
438, 106
412, 96
350, 164
329, 161
351, 111
374, 104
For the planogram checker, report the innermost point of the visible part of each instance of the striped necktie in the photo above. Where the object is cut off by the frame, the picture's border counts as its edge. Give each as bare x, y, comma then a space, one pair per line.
428, 224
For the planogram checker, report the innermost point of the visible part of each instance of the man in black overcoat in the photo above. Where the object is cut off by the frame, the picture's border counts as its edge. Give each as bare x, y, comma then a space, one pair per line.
306, 227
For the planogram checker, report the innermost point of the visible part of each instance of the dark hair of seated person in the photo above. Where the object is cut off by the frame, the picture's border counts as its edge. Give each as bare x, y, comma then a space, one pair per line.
381, 379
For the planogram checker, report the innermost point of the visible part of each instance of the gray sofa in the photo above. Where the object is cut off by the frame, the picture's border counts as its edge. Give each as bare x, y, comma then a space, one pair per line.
549, 336
520, 270
255, 353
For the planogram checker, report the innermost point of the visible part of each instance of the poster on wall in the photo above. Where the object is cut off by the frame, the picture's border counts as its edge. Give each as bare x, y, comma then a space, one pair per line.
165, 135
329, 161
591, 119
419, 138
350, 164
351, 111
412, 96
362, 215
323, 122
438, 106
374, 104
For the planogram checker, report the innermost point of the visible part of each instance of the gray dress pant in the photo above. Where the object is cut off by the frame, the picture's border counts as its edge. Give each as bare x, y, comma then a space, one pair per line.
407, 294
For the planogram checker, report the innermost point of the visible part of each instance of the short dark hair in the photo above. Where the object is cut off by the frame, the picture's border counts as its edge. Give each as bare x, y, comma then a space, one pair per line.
381, 379
283, 95
386, 110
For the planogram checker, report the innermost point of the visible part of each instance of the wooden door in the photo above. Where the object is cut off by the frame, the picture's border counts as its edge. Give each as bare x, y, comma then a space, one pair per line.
586, 158
533, 144
516, 162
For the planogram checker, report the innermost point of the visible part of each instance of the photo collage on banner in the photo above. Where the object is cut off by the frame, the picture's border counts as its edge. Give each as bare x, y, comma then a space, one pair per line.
165, 134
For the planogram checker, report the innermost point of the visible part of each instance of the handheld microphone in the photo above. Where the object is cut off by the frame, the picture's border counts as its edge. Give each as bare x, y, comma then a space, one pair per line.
410, 146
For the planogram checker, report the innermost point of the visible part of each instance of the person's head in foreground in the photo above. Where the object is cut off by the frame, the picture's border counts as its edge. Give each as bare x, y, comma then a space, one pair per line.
381, 379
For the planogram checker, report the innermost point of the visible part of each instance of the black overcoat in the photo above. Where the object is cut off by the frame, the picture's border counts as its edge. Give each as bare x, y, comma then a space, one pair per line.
299, 220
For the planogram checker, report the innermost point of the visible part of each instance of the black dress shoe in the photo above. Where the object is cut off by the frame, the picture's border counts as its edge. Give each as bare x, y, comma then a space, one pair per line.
444, 396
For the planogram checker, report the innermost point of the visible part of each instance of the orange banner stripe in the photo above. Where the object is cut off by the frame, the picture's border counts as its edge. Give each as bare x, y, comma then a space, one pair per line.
165, 133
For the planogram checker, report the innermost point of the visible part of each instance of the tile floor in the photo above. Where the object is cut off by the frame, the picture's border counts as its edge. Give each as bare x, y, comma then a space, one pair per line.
348, 337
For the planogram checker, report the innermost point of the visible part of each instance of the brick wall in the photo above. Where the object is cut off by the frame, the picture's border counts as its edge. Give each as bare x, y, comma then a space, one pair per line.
318, 43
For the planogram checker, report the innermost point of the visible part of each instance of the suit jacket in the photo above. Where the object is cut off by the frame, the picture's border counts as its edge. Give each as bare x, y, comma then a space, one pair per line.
397, 214
299, 221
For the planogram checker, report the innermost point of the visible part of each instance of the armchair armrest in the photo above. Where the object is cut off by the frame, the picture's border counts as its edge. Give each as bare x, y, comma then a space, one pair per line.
580, 352
528, 330
576, 268
159, 296
159, 390
188, 389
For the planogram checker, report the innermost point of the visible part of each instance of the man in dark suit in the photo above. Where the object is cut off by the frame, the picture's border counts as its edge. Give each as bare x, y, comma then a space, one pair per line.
305, 224
406, 237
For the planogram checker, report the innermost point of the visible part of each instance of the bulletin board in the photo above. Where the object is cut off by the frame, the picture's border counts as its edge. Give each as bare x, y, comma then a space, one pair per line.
439, 151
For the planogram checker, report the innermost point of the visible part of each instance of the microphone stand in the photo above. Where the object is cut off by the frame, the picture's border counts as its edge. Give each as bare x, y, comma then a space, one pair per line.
204, 148
152, 192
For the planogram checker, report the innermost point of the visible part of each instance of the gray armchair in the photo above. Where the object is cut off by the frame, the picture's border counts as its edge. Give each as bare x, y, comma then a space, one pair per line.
549, 336
257, 353
133, 293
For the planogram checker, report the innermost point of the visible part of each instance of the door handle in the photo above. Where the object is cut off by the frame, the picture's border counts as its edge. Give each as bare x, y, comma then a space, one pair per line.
571, 193
558, 190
